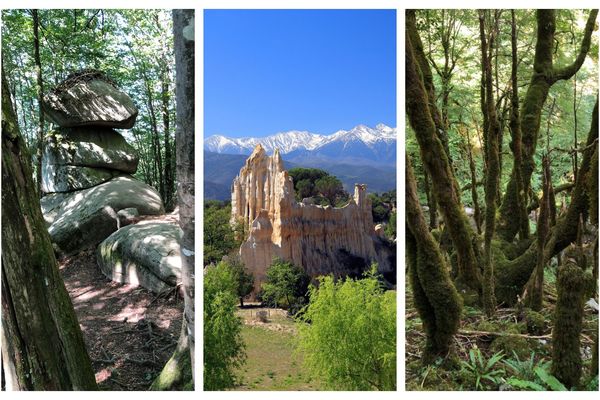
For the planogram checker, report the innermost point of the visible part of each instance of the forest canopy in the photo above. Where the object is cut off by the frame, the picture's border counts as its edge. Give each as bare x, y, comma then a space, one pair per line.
501, 197
131, 47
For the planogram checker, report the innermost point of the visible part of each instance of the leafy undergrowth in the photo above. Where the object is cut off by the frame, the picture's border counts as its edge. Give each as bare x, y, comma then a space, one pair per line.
510, 352
271, 363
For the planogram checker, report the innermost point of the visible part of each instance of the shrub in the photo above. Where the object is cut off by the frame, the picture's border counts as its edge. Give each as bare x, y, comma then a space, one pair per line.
223, 345
347, 334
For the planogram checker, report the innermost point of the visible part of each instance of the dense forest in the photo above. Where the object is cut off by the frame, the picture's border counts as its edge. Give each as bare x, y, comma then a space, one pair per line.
97, 200
501, 199
41, 48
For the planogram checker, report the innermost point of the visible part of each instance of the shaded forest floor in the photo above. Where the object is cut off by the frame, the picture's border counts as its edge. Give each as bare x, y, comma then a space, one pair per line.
516, 333
271, 363
130, 332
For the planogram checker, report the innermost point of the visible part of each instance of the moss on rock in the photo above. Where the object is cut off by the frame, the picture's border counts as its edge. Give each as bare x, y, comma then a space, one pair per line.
511, 344
536, 324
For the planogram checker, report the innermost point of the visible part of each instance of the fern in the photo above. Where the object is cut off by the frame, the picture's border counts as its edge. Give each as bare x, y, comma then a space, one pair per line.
483, 371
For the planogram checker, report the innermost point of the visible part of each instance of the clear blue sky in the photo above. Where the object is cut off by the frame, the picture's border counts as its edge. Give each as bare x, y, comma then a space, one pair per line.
268, 71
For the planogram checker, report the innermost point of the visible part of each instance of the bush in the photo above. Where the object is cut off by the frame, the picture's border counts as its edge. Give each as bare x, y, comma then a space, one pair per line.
223, 345
347, 334
285, 284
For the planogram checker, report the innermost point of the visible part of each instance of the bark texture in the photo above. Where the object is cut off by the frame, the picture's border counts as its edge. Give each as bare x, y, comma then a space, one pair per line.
543, 77
436, 298
42, 344
183, 31
422, 113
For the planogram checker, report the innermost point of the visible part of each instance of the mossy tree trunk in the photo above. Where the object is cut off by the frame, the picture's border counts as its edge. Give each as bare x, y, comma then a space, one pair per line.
544, 76
492, 132
534, 290
436, 297
42, 344
422, 114
568, 315
512, 275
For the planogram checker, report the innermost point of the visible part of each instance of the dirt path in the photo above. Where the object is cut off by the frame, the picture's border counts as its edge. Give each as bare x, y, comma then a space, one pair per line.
129, 332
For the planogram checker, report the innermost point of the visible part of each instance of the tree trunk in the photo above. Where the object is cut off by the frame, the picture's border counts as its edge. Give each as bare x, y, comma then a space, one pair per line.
42, 344
543, 77
40, 95
534, 290
168, 199
435, 296
568, 315
419, 110
183, 31
512, 275
491, 180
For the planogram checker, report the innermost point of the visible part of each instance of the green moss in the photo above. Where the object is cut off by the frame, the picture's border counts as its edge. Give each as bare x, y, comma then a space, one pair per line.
568, 314
177, 372
512, 345
536, 323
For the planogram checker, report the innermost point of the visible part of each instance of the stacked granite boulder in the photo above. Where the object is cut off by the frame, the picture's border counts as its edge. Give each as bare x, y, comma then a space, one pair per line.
87, 164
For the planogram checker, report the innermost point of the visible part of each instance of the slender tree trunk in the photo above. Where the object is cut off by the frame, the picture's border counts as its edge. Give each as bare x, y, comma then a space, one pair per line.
534, 290
165, 97
42, 344
543, 77
183, 31
419, 111
40, 95
493, 172
474, 195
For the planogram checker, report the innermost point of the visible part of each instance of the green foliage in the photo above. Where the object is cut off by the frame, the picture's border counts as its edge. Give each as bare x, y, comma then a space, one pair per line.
390, 228
219, 237
130, 46
244, 279
348, 334
382, 205
483, 374
524, 369
325, 189
544, 381
223, 345
286, 284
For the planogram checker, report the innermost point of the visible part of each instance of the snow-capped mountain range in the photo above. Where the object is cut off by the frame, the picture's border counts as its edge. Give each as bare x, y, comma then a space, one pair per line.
360, 144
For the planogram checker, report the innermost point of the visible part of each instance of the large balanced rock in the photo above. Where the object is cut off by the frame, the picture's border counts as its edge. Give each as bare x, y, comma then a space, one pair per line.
79, 158
145, 254
86, 217
90, 147
322, 240
66, 178
89, 98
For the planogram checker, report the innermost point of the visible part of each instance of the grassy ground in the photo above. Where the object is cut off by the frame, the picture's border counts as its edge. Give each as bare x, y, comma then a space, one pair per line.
271, 363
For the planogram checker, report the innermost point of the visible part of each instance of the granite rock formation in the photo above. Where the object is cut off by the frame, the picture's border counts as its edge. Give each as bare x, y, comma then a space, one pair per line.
86, 163
322, 240
145, 254
89, 97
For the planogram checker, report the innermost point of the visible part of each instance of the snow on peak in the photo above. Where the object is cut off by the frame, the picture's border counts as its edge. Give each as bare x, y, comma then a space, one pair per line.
289, 141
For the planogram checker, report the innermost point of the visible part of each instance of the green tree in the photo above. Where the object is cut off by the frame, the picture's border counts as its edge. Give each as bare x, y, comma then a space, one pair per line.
219, 237
244, 279
347, 334
285, 281
329, 187
223, 344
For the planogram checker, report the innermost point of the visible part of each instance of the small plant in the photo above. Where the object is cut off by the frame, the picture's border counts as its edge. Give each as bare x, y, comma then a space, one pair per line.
543, 381
482, 371
524, 369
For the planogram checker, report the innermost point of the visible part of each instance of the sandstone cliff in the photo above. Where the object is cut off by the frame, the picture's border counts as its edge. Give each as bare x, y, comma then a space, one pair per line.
322, 240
